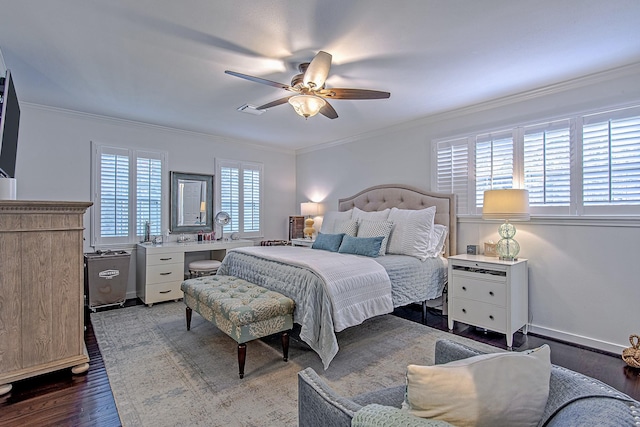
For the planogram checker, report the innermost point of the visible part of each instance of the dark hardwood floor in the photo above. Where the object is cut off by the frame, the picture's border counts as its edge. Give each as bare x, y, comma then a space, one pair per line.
60, 399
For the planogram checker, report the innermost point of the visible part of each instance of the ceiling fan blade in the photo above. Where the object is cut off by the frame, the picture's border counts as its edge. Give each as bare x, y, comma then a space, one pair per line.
328, 111
274, 103
259, 80
318, 70
337, 93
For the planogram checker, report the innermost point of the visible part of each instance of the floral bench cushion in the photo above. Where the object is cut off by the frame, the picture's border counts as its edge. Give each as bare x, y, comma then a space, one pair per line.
240, 309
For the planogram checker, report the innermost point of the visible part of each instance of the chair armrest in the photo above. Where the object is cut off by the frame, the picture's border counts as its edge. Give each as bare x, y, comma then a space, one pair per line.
449, 351
319, 405
375, 415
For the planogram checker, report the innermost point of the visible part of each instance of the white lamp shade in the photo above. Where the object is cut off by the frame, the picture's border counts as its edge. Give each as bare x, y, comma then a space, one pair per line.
308, 209
509, 204
307, 105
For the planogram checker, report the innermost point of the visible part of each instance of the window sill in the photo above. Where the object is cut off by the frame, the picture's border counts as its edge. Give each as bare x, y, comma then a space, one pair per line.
592, 221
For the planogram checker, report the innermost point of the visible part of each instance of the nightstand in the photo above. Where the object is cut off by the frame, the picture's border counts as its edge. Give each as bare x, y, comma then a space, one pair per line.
489, 293
302, 242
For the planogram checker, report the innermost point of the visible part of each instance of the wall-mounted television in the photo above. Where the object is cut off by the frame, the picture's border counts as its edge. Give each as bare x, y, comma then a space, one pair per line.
9, 123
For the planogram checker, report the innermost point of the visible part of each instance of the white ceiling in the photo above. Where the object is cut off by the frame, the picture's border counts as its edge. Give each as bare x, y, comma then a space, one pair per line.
162, 61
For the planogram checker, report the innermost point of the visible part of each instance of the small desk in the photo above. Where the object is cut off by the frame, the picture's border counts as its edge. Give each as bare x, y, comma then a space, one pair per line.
160, 269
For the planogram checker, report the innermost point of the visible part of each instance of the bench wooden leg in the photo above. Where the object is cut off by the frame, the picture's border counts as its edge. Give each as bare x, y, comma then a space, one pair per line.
189, 312
285, 345
242, 356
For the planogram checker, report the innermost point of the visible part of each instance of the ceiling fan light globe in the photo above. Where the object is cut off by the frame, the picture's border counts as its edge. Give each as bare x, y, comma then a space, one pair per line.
307, 105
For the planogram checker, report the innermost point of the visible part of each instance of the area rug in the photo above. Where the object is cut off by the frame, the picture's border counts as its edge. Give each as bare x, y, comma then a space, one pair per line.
163, 375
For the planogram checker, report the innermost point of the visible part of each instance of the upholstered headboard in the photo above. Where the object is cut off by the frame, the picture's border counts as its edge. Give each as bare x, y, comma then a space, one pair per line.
381, 197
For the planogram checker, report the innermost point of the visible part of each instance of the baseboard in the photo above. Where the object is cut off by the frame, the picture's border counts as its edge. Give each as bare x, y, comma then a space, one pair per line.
577, 339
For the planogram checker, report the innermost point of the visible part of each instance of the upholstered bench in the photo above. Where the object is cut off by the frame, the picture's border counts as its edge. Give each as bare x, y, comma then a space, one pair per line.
240, 309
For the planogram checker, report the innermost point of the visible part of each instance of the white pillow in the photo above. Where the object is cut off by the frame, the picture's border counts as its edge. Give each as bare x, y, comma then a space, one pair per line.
368, 228
499, 389
330, 218
348, 227
360, 215
411, 231
438, 237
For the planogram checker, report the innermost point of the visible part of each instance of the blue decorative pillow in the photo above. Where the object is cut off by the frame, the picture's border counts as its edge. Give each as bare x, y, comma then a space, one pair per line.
328, 242
367, 246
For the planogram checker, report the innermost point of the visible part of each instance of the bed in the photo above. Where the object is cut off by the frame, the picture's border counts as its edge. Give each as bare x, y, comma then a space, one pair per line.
291, 270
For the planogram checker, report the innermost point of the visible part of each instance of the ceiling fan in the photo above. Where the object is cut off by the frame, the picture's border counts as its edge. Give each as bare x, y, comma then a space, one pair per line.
310, 95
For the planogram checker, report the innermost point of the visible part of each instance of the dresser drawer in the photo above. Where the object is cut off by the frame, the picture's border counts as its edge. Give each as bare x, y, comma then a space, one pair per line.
480, 314
165, 273
492, 292
167, 258
163, 292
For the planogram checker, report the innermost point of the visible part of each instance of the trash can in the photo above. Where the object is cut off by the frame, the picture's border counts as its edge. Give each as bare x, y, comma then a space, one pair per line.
106, 274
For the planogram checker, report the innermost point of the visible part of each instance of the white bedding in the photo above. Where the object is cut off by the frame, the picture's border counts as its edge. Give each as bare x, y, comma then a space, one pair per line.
358, 287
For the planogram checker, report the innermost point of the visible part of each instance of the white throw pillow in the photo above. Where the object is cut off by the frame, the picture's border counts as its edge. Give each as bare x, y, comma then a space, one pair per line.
375, 229
330, 218
411, 231
348, 227
499, 389
438, 238
360, 215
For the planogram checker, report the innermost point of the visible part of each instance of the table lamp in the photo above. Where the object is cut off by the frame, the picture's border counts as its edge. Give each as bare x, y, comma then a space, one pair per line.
508, 205
308, 209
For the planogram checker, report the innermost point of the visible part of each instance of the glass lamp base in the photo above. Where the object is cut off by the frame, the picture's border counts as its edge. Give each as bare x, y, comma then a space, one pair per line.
507, 249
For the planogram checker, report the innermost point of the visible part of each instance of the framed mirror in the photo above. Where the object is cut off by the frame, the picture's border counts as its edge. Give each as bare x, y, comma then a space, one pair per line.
191, 202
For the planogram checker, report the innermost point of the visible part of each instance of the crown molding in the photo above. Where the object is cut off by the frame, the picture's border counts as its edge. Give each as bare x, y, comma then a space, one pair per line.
576, 83
134, 123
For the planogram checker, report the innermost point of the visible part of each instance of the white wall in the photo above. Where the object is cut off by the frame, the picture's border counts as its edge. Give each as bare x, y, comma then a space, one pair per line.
54, 161
584, 278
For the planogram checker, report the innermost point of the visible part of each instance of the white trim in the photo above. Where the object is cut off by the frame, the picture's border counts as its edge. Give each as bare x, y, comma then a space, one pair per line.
218, 138
590, 79
593, 221
577, 339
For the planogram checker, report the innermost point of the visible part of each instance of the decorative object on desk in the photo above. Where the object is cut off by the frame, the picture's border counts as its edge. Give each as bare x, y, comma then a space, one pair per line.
222, 218
308, 209
631, 355
472, 249
191, 202
490, 249
508, 205
296, 227
235, 236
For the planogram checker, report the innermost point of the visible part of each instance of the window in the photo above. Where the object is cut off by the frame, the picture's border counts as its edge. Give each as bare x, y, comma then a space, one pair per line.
585, 165
239, 193
127, 193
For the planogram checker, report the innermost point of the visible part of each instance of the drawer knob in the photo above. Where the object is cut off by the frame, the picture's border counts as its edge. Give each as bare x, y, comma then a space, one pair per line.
464, 310
491, 316
165, 274
491, 293
165, 292
166, 259
464, 288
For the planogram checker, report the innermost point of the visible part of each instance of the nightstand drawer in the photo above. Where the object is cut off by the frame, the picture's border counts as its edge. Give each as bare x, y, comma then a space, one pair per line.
480, 314
491, 292
165, 273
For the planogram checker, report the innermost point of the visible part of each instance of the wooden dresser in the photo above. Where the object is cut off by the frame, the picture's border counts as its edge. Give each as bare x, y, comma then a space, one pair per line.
41, 289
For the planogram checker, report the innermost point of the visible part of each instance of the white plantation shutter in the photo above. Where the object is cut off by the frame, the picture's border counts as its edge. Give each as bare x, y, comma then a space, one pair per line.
611, 159
149, 194
114, 193
240, 195
128, 192
493, 163
585, 165
547, 164
452, 174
